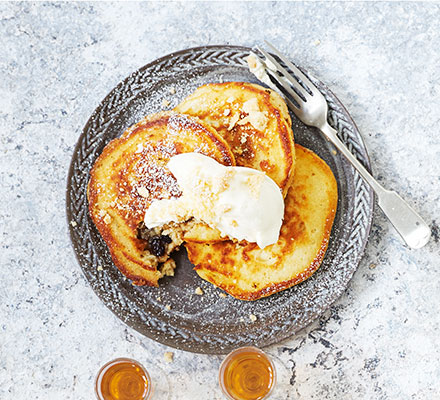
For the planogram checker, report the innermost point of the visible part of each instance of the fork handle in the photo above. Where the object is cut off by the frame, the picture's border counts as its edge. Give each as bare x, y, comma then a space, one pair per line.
414, 231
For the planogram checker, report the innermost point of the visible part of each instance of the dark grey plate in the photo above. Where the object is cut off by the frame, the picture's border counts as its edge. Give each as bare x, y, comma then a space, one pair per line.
210, 323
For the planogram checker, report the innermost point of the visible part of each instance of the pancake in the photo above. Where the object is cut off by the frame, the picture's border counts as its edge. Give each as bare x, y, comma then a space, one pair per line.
255, 123
247, 272
129, 174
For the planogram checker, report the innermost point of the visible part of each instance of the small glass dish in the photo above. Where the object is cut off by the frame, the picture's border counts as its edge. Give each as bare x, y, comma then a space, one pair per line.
247, 373
121, 379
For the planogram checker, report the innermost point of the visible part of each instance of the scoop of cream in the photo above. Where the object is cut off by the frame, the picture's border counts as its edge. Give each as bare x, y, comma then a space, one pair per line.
242, 203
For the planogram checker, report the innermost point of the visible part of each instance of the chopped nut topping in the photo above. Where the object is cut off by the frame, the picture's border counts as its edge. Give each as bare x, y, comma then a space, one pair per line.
143, 191
256, 118
252, 317
168, 307
73, 223
251, 105
165, 103
99, 268
233, 121
107, 219
172, 90
226, 112
222, 294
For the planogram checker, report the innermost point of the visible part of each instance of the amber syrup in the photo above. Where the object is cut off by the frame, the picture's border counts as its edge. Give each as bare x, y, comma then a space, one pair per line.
123, 379
247, 374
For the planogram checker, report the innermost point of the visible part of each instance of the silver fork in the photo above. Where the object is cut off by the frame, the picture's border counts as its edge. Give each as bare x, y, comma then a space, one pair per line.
312, 109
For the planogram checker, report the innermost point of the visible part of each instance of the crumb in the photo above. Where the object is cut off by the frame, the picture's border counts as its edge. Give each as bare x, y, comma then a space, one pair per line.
159, 298
124, 278
334, 152
252, 317
100, 268
222, 295
73, 223
167, 268
241, 319
198, 291
165, 103
143, 191
168, 307
372, 266
226, 112
107, 219
168, 356
172, 90
317, 42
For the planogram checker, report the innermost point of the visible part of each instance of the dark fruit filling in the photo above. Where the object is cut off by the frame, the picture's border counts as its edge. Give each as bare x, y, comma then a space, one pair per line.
156, 243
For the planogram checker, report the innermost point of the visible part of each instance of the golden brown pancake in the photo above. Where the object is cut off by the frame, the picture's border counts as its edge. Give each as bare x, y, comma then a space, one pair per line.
247, 272
253, 120
129, 174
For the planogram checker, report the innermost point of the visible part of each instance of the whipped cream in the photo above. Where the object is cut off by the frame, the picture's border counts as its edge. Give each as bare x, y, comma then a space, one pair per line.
242, 203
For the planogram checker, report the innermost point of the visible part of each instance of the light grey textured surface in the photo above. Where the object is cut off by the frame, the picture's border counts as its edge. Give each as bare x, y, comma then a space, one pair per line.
57, 62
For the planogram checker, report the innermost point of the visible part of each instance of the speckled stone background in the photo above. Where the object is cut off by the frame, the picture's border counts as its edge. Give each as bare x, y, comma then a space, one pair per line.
57, 62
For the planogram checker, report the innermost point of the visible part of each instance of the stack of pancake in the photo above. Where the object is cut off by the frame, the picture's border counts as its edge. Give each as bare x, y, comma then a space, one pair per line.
235, 123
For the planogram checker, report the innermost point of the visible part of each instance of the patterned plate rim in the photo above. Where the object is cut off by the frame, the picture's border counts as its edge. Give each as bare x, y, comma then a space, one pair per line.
214, 344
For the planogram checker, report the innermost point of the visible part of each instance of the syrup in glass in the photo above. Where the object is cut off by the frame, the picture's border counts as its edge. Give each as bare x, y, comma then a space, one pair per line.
123, 379
247, 374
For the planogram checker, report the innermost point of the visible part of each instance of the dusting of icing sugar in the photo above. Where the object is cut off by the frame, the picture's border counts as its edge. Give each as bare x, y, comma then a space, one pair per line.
156, 179
225, 315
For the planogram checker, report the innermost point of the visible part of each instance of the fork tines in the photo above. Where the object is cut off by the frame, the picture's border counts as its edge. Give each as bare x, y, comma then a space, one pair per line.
294, 82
